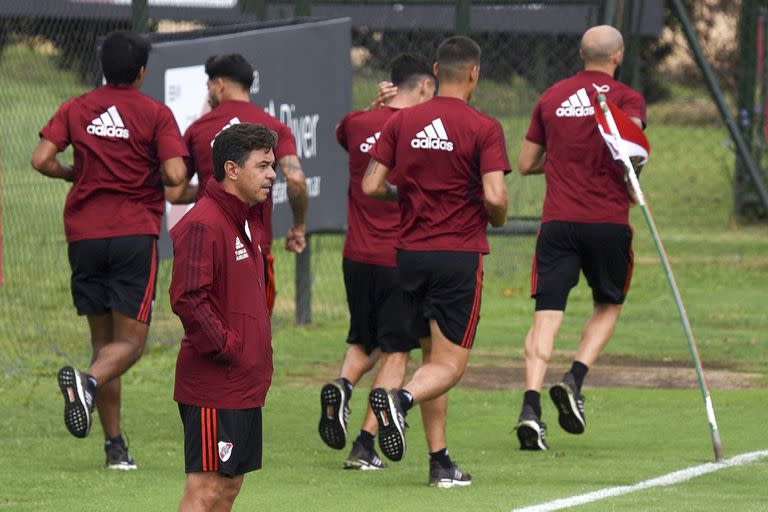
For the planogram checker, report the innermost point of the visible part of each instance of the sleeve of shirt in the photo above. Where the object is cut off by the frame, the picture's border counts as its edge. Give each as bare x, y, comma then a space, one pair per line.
341, 134
57, 129
286, 145
536, 132
385, 148
168, 137
193, 269
633, 105
189, 161
493, 150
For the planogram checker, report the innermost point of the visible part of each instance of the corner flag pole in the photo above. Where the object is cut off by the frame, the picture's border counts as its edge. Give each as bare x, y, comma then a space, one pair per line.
635, 184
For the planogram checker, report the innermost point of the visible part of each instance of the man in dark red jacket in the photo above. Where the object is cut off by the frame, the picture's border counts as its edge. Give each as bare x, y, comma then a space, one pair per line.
224, 367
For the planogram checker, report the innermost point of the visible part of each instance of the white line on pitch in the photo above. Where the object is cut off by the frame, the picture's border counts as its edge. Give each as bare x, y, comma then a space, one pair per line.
668, 479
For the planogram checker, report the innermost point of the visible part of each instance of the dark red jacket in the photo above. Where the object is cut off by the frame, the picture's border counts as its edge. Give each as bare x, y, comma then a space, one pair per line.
217, 290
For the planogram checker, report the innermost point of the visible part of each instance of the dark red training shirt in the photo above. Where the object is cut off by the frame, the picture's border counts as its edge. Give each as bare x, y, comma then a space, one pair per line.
225, 359
199, 138
441, 149
372, 225
119, 136
584, 183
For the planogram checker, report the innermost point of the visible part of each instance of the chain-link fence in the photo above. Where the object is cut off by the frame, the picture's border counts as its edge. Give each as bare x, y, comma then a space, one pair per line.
47, 59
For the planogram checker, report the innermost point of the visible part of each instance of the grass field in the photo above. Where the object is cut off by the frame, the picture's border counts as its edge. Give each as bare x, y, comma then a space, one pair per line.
634, 434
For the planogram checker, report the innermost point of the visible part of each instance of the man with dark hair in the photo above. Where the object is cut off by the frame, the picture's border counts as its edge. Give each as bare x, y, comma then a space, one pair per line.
451, 161
229, 83
126, 147
585, 227
224, 366
376, 305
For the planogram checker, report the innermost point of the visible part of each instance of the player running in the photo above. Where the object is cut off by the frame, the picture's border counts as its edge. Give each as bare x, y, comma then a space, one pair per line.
377, 308
585, 227
451, 161
127, 146
229, 83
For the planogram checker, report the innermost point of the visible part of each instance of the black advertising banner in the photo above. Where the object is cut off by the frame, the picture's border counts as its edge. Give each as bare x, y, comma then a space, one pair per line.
302, 77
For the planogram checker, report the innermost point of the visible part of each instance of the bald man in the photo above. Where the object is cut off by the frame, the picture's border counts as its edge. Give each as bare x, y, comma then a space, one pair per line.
585, 227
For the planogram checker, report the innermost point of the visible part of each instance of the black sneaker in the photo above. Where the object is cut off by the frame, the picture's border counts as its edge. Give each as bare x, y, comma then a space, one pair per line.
531, 431
118, 457
363, 459
386, 406
78, 401
570, 405
445, 478
334, 415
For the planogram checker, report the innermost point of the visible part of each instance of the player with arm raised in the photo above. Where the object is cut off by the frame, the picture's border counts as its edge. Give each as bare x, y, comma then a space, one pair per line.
229, 84
451, 161
127, 146
585, 227
377, 309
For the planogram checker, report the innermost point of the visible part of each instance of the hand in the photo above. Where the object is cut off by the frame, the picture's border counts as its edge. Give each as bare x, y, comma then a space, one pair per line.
295, 240
386, 92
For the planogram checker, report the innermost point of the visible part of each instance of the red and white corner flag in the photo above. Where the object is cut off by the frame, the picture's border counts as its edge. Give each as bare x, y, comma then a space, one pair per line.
630, 135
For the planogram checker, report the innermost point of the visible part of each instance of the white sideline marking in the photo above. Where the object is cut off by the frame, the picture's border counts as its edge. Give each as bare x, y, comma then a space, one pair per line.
668, 479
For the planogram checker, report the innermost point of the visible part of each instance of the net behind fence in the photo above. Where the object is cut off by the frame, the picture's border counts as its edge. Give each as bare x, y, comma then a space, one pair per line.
47, 60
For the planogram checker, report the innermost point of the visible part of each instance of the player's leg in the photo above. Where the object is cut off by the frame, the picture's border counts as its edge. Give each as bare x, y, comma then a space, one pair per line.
88, 260
361, 355
607, 261
555, 271
205, 492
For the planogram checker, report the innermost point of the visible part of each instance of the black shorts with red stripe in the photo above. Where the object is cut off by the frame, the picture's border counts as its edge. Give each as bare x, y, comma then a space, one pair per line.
564, 249
225, 441
117, 273
445, 286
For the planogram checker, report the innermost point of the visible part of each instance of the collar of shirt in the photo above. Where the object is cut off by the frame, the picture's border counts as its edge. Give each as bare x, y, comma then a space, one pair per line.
235, 209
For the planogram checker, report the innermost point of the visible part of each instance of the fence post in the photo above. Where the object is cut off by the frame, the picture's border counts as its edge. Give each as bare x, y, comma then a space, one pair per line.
744, 199
463, 17
303, 10
257, 8
609, 12
139, 16
304, 284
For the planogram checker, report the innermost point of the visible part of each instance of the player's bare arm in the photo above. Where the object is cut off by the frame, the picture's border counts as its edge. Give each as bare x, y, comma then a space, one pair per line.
181, 194
375, 182
495, 192
173, 171
45, 162
296, 182
532, 158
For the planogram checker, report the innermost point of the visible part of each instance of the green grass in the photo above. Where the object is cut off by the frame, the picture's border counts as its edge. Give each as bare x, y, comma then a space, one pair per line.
633, 434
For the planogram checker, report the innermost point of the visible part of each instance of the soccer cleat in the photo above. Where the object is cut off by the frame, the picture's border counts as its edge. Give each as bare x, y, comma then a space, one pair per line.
334, 415
363, 459
531, 431
78, 401
445, 478
570, 405
386, 406
118, 457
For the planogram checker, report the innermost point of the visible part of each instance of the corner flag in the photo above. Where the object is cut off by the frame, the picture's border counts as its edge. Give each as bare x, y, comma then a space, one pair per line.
631, 137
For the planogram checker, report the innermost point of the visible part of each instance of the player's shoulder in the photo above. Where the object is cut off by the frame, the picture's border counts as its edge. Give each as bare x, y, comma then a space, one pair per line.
201, 218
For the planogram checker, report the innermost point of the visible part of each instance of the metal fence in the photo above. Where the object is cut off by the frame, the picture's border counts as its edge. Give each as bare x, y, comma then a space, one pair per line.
48, 58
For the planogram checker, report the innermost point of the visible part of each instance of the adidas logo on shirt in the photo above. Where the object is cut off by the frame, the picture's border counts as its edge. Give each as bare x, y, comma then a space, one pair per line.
240, 251
108, 124
369, 142
232, 122
433, 136
577, 105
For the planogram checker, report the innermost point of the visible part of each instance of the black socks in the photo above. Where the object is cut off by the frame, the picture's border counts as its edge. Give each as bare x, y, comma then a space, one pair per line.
579, 371
365, 439
533, 399
441, 457
406, 400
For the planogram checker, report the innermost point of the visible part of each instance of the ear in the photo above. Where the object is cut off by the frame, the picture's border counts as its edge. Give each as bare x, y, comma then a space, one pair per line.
230, 170
618, 57
474, 73
435, 69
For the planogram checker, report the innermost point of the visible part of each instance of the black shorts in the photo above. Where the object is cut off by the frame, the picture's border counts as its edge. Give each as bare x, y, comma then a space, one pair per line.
563, 249
115, 274
378, 314
445, 286
225, 441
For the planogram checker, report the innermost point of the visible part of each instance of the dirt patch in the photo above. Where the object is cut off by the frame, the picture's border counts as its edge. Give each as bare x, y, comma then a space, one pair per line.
611, 371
